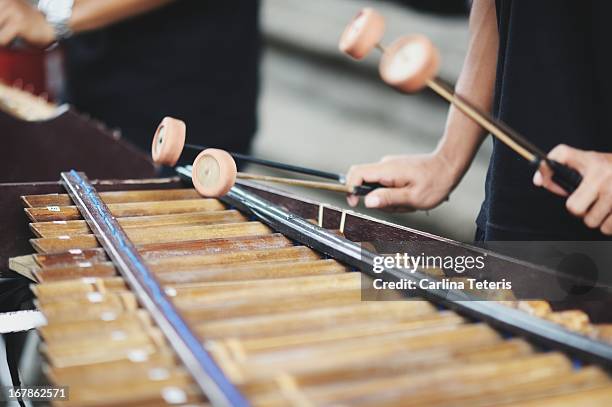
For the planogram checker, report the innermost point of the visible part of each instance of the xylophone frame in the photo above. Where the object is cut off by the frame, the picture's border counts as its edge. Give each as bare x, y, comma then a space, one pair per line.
288, 214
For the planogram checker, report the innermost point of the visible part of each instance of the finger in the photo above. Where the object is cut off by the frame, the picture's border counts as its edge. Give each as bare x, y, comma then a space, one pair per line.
581, 200
569, 156
358, 174
375, 173
598, 213
543, 178
6, 15
606, 227
354, 176
389, 197
352, 200
8, 33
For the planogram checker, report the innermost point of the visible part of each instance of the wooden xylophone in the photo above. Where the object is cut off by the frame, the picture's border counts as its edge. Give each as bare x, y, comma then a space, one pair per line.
160, 297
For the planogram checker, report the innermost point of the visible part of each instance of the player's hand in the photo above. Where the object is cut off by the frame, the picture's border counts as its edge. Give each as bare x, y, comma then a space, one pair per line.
414, 182
20, 19
592, 200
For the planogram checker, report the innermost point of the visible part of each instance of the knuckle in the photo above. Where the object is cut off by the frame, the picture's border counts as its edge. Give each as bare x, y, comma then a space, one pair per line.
605, 192
573, 208
384, 199
563, 148
354, 171
591, 222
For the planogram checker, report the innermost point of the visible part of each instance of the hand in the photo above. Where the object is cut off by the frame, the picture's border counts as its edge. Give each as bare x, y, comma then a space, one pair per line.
592, 200
414, 181
19, 19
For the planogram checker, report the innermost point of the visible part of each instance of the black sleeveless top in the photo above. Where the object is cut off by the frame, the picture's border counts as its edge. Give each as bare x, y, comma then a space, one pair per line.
553, 75
193, 59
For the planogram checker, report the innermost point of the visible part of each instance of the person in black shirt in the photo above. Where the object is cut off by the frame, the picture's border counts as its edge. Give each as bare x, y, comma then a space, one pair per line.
543, 68
132, 62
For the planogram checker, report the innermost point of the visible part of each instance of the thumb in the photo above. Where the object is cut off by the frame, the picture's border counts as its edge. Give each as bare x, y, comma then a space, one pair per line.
543, 178
389, 197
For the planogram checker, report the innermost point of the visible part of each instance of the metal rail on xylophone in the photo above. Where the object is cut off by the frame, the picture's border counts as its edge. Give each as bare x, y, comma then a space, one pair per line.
276, 322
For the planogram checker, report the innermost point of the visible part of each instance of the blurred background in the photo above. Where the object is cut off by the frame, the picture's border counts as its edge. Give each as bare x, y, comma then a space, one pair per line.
317, 107
321, 109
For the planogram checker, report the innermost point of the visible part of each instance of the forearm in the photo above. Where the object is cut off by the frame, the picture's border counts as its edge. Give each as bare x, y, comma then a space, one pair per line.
93, 14
462, 136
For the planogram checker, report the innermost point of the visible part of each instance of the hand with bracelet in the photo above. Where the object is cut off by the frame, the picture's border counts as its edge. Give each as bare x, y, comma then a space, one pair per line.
55, 20
19, 19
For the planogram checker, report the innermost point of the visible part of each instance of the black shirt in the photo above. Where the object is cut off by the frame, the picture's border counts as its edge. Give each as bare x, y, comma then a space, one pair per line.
195, 60
553, 76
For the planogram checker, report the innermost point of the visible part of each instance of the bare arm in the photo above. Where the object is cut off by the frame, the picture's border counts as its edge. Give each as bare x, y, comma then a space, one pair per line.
20, 19
424, 181
462, 136
94, 14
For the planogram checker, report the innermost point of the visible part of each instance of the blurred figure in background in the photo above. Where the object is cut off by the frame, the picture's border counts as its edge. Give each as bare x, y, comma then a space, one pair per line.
129, 63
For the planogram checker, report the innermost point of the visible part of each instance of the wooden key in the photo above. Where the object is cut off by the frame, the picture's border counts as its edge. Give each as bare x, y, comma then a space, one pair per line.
95, 307
81, 287
573, 320
81, 270
71, 257
113, 197
79, 227
537, 308
244, 348
268, 270
313, 320
124, 372
603, 332
443, 382
249, 349
502, 387
599, 396
301, 286
398, 363
154, 235
270, 304
131, 337
162, 264
246, 288
330, 357
65, 213
152, 392
295, 253
565, 383
156, 251
57, 331
229, 271
115, 370
84, 353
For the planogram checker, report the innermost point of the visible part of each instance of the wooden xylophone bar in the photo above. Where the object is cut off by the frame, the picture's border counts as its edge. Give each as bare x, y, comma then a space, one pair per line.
363, 260
285, 326
132, 267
